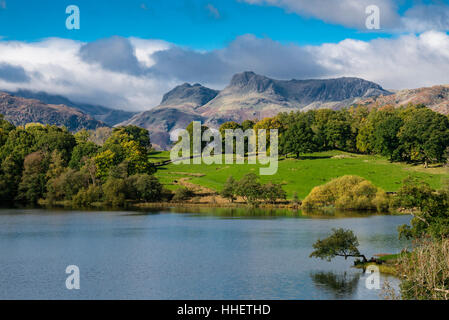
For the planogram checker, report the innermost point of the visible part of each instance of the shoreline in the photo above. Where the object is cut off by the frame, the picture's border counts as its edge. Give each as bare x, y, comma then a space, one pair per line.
287, 208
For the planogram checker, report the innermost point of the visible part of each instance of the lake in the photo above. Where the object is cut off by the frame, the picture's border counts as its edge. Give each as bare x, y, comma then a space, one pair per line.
174, 254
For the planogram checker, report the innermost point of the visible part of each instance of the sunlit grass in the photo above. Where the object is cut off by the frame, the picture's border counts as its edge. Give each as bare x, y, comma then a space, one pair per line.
302, 175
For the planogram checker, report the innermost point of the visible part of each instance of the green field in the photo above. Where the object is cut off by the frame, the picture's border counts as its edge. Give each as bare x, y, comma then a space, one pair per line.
302, 175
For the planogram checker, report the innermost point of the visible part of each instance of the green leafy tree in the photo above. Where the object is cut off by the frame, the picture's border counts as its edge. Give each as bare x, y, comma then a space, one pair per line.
386, 140
50, 138
114, 192
182, 194
230, 125
138, 134
424, 136
5, 128
87, 197
127, 144
228, 191
341, 243
338, 133
32, 184
66, 185
430, 210
298, 139
247, 124
144, 187
104, 161
271, 192
81, 152
249, 188
11, 174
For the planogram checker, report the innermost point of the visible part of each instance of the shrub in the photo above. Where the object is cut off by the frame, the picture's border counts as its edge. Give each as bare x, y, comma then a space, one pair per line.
228, 191
272, 192
426, 271
147, 187
66, 185
114, 192
295, 200
182, 194
347, 192
86, 197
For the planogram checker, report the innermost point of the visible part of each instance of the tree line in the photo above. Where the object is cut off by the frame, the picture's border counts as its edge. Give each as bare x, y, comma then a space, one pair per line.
412, 133
49, 162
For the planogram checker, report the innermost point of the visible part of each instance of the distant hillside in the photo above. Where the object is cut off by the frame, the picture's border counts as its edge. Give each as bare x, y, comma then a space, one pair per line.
107, 115
435, 98
177, 110
21, 111
248, 96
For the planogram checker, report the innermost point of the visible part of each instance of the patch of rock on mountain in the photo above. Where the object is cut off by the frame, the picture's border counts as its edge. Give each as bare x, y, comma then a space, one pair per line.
107, 115
21, 111
435, 98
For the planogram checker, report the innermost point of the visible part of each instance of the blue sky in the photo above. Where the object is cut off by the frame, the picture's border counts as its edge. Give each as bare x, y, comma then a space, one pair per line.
128, 53
199, 24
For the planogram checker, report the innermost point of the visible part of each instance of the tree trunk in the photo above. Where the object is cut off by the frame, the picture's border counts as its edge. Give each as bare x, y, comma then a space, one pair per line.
356, 256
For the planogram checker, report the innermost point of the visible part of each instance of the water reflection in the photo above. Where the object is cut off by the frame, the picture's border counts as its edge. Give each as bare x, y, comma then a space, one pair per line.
252, 212
340, 285
191, 254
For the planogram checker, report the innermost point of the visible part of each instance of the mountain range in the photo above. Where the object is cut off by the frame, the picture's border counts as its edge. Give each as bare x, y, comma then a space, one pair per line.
248, 96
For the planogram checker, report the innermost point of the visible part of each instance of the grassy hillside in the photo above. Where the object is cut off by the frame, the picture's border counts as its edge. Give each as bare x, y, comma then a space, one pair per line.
302, 175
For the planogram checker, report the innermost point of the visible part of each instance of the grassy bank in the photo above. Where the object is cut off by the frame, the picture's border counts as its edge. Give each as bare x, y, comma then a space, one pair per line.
387, 265
302, 175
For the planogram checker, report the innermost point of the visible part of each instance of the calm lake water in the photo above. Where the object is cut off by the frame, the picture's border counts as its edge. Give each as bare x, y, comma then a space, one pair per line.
170, 255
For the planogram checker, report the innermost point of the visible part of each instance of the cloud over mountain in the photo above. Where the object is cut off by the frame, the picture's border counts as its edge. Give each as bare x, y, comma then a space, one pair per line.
114, 54
133, 73
11, 73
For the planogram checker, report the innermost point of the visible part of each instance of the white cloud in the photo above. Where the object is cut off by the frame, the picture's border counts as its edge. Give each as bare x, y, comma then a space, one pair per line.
63, 71
426, 17
351, 13
57, 67
406, 62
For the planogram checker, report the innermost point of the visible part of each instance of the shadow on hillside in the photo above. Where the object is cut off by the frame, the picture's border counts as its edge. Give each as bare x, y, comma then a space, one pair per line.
155, 155
309, 157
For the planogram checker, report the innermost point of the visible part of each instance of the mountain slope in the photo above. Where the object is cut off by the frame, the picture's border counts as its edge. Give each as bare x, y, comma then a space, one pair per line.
435, 98
21, 111
254, 96
248, 96
177, 110
107, 115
